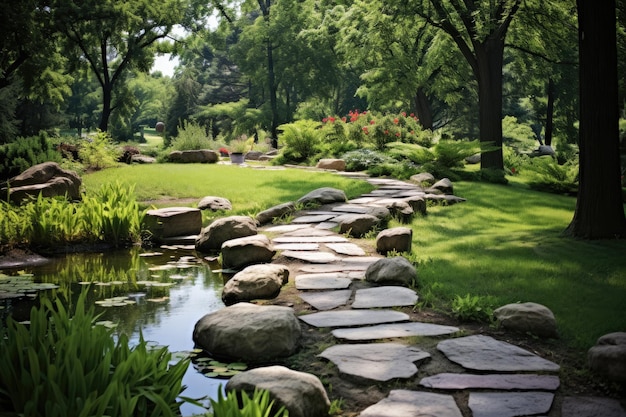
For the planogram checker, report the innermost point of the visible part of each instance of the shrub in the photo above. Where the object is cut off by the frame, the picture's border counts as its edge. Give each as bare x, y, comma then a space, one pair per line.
65, 366
548, 175
472, 308
22, 154
98, 152
300, 139
192, 136
239, 404
363, 159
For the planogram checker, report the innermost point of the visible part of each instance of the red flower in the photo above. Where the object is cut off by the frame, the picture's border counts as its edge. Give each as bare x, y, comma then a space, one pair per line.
397, 134
403, 114
324, 120
396, 120
343, 119
386, 132
331, 119
412, 115
372, 122
365, 130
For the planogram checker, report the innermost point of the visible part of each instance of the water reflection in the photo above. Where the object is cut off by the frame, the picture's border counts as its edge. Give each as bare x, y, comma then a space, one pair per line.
160, 294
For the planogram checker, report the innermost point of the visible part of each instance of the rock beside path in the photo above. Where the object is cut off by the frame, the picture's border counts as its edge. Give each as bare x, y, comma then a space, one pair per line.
527, 317
47, 179
392, 271
219, 231
608, 356
262, 281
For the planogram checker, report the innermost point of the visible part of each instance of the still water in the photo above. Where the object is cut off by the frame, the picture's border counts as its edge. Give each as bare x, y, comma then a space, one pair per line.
160, 294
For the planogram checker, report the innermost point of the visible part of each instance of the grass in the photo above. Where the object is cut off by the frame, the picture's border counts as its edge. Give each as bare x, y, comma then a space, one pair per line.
506, 242
249, 190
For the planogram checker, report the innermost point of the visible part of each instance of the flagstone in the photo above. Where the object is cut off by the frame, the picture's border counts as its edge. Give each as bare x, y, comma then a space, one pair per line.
336, 267
492, 381
375, 361
509, 404
386, 331
287, 228
346, 249
310, 232
591, 407
404, 403
310, 239
317, 218
327, 300
327, 226
346, 318
485, 353
363, 200
316, 257
386, 296
351, 208
297, 246
311, 282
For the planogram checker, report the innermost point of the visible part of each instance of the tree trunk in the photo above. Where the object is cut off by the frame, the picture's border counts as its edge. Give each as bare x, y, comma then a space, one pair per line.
423, 110
550, 113
271, 78
489, 58
599, 207
107, 95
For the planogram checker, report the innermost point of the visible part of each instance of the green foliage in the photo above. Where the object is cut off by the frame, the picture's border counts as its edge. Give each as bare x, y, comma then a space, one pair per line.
363, 159
548, 175
22, 154
259, 405
517, 135
110, 215
192, 136
300, 140
62, 365
98, 152
472, 308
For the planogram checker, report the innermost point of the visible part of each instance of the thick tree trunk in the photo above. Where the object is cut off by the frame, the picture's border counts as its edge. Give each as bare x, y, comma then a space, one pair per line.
489, 57
599, 207
423, 110
550, 113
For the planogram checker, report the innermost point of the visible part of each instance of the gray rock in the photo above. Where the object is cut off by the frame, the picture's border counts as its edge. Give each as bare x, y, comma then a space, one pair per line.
324, 195
392, 271
308, 231
142, 159
356, 225
473, 159
527, 317
405, 403
302, 394
276, 212
591, 407
387, 331
326, 300
248, 332
608, 356
254, 155
244, 251
443, 185
509, 404
328, 281
398, 208
492, 381
221, 230
315, 257
47, 179
417, 203
375, 361
173, 221
335, 164
485, 353
255, 282
215, 203
424, 178
313, 218
398, 239
345, 318
349, 249
311, 239
297, 246
194, 156
388, 296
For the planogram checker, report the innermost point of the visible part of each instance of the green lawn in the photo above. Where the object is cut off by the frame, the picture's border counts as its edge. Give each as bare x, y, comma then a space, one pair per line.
504, 243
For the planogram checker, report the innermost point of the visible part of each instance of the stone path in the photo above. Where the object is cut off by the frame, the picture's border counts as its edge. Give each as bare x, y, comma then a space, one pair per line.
331, 280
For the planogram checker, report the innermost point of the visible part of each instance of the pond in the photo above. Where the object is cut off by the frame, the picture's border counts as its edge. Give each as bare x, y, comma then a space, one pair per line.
161, 294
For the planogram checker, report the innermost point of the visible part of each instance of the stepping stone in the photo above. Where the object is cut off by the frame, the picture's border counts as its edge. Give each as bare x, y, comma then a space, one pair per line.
485, 353
327, 226
345, 318
297, 246
351, 208
388, 296
317, 218
363, 200
386, 331
349, 249
327, 300
411, 193
404, 403
591, 407
286, 228
365, 260
315, 282
375, 361
315, 257
497, 381
509, 404
310, 231
310, 239
336, 267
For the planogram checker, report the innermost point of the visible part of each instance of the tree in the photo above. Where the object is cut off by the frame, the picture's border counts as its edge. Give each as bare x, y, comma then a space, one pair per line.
112, 38
599, 208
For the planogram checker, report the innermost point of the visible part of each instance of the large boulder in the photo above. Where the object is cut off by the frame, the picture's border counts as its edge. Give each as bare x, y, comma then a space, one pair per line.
275, 212
301, 394
262, 281
527, 317
417, 203
356, 225
214, 235
443, 186
244, 251
214, 203
423, 179
47, 179
194, 156
173, 221
324, 195
248, 332
608, 357
392, 271
334, 164
397, 239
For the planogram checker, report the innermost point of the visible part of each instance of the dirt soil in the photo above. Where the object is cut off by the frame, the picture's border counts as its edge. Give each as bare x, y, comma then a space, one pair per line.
354, 395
